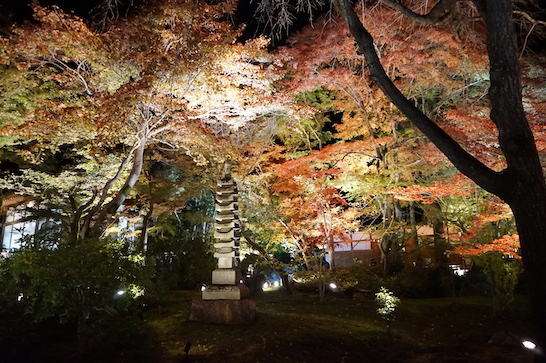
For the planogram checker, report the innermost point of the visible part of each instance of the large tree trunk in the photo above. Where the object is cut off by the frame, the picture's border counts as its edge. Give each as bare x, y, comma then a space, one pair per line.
522, 183
524, 179
530, 214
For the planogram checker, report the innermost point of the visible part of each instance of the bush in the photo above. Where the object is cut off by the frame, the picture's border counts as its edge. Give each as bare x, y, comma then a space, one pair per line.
358, 278
347, 279
503, 275
387, 303
416, 282
79, 283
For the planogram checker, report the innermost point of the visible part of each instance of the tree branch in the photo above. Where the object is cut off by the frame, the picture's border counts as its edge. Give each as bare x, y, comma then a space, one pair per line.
104, 194
111, 207
470, 166
437, 14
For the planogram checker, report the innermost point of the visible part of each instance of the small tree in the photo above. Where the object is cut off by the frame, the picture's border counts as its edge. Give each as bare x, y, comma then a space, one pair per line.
387, 305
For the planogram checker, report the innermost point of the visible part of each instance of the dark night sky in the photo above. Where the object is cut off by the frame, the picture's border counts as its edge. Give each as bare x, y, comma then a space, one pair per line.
18, 10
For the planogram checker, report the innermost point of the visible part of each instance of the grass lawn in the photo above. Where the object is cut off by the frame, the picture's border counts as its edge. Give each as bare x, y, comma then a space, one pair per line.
300, 328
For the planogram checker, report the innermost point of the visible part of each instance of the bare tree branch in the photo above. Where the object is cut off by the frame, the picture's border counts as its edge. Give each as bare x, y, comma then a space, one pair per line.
437, 14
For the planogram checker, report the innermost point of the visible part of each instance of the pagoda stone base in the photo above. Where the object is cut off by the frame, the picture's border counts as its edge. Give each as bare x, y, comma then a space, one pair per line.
228, 312
225, 292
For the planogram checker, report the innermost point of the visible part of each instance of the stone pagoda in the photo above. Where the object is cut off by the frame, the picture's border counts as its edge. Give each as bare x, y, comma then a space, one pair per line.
226, 300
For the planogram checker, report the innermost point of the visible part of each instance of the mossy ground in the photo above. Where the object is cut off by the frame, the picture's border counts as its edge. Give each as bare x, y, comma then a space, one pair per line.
300, 328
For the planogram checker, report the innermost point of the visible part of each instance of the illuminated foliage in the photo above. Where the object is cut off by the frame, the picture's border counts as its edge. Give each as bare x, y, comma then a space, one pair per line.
507, 245
501, 264
444, 73
171, 77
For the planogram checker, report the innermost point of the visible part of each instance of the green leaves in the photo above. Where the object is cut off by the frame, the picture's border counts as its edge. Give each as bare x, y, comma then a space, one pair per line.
73, 281
20, 93
387, 302
503, 274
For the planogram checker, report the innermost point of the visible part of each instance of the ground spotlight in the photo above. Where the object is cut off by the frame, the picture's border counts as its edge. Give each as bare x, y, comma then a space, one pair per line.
532, 346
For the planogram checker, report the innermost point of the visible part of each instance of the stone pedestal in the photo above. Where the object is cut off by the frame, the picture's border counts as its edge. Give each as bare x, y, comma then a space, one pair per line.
229, 312
226, 292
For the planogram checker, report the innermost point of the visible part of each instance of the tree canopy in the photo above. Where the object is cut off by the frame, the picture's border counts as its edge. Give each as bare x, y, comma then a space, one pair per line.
171, 77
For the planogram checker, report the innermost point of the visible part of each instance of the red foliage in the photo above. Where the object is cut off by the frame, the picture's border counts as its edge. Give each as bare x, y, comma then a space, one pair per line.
459, 185
507, 245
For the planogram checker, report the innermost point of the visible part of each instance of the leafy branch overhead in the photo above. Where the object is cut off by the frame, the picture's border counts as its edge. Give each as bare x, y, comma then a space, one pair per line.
147, 81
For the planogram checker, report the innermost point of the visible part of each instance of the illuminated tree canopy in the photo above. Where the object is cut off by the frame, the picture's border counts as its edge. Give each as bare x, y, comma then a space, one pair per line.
172, 77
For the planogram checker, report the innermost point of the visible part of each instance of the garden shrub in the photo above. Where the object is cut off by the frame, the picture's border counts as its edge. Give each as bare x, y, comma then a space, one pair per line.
81, 283
417, 282
365, 279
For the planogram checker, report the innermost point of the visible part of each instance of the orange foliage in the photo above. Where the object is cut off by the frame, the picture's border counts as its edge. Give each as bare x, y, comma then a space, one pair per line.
438, 67
459, 185
473, 128
312, 208
507, 245
496, 211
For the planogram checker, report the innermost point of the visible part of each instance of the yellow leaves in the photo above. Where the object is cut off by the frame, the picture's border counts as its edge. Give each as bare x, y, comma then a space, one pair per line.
68, 125
178, 59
